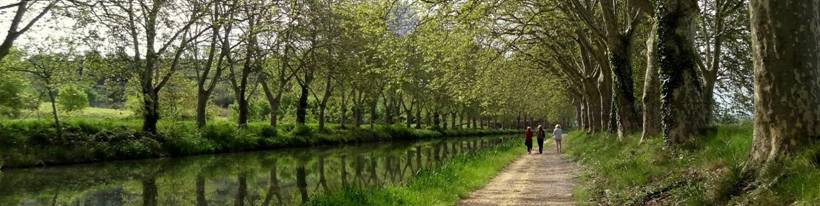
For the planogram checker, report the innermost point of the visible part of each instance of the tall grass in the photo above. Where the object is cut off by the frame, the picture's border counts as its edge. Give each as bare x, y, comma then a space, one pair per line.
442, 186
706, 173
36, 142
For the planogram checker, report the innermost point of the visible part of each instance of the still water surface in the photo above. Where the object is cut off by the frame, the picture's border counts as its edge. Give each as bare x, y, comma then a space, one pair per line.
280, 177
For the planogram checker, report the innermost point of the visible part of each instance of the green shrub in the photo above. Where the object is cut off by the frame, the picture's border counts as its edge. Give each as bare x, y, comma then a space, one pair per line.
72, 98
11, 95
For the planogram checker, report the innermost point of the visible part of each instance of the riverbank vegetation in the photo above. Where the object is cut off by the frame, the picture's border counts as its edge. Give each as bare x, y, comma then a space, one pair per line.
437, 186
707, 172
37, 143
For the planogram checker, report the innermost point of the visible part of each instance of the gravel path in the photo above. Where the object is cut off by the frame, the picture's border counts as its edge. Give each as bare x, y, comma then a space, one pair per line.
533, 179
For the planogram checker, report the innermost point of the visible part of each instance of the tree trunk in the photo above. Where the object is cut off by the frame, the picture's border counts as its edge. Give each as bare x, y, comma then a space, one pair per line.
301, 107
374, 115
444, 120
357, 109
418, 116
388, 110
584, 118
201, 106
605, 95
408, 113
150, 113
323, 102
787, 80
461, 120
343, 109
52, 95
243, 107
273, 103
473, 125
579, 117
453, 120
627, 116
710, 75
683, 115
436, 120
593, 107
651, 93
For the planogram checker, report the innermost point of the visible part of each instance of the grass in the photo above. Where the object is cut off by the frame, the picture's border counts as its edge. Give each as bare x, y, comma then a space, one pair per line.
707, 173
442, 186
34, 142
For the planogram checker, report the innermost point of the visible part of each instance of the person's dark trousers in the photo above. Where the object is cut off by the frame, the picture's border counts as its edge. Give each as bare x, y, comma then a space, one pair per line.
540, 145
529, 145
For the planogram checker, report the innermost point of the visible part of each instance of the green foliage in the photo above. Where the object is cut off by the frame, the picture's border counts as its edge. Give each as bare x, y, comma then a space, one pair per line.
12, 95
72, 98
441, 186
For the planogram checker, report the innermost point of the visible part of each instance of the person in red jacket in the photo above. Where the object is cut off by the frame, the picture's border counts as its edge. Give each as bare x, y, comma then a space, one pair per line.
528, 139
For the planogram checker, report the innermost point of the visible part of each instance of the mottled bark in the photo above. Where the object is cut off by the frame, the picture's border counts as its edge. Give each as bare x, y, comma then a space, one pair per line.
605, 94
627, 115
681, 107
651, 92
591, 99
786, 53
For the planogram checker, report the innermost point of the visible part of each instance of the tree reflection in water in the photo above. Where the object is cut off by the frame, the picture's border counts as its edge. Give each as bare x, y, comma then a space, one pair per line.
254, 178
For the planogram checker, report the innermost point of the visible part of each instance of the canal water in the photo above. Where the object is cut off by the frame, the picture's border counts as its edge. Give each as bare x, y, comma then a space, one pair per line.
280, 177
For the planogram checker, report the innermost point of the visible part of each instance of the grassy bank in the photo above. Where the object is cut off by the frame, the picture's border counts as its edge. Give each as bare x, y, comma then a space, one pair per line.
441, 186
35, 142
707, 173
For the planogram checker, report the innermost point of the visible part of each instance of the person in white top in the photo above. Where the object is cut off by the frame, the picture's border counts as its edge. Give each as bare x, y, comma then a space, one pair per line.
556, 134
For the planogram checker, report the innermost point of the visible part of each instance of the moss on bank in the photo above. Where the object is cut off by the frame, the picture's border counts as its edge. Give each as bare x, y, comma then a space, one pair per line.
33, 142
707, 173
441, 186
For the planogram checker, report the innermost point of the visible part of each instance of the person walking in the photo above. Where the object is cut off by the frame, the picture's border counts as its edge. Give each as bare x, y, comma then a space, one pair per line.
556, 134
540, 134
528, 139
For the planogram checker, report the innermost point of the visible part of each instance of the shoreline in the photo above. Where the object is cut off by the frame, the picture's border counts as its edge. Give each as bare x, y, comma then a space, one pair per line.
87, 144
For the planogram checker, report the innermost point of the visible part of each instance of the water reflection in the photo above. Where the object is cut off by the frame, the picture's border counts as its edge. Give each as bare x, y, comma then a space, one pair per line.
286, 177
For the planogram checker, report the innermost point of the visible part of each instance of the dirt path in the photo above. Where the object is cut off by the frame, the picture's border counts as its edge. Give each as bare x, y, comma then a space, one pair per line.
536, 179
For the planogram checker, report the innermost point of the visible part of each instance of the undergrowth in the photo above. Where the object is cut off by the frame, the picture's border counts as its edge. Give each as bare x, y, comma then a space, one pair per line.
707, 172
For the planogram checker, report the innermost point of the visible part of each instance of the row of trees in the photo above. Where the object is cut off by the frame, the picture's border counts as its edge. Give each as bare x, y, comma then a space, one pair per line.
351, 62
692, 49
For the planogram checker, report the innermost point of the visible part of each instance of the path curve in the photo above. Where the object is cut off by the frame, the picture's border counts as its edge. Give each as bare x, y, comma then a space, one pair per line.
533, 179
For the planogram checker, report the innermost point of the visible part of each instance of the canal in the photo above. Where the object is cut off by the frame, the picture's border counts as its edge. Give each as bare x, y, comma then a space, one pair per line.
278, 177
